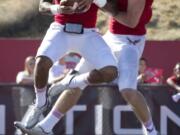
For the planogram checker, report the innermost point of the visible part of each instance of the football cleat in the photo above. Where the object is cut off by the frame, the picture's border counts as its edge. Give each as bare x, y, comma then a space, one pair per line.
34, 115
37, 130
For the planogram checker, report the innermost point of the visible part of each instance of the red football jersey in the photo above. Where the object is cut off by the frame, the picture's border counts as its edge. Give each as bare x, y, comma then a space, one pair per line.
175, 79
117, 28
153, 75
87, 19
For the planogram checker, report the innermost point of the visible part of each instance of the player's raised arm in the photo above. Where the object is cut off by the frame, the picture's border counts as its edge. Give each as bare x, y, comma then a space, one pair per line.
45, 6
129, 18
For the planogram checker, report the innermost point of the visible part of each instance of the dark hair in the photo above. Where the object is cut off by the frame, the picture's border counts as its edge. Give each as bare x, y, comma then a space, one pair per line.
143, 59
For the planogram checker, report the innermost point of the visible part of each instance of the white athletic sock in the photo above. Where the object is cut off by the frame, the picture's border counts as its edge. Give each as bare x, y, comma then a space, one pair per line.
177, 96
79, 81
40, 97
50, 120
149, 125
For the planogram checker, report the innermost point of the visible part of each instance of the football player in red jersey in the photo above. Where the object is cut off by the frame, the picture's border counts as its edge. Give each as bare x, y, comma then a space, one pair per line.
70, 32
126, 38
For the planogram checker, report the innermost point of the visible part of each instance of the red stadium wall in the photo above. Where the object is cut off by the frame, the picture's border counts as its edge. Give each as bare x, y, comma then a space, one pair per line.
161, 54
12, 55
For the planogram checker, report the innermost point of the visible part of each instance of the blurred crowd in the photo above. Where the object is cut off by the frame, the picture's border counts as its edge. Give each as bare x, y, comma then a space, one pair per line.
57, 71
146, 75
149, 75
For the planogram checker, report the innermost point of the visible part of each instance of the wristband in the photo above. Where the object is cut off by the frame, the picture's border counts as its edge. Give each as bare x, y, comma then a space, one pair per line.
54, 9
100, 3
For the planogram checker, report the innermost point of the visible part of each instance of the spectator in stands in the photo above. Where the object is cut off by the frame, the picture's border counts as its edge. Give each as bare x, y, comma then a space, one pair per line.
142, 68
26, 77
148, 74
174, 81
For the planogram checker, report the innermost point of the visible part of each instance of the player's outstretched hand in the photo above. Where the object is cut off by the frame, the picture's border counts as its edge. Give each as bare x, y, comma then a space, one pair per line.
84, 5
68, 6
74, 6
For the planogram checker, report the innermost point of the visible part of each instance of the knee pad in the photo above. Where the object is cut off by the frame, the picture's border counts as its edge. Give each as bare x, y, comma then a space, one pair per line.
127, 78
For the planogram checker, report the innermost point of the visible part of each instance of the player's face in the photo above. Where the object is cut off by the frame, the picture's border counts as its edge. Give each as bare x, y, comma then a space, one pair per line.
142, 66
31, 64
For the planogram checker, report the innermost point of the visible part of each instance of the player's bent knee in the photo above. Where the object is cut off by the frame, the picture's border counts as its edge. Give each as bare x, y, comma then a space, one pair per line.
95, 77
109, 73
43, 62
41, 70
106, 74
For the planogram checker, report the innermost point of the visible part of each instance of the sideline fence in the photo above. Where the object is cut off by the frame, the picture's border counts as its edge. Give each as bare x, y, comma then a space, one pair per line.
100, 111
